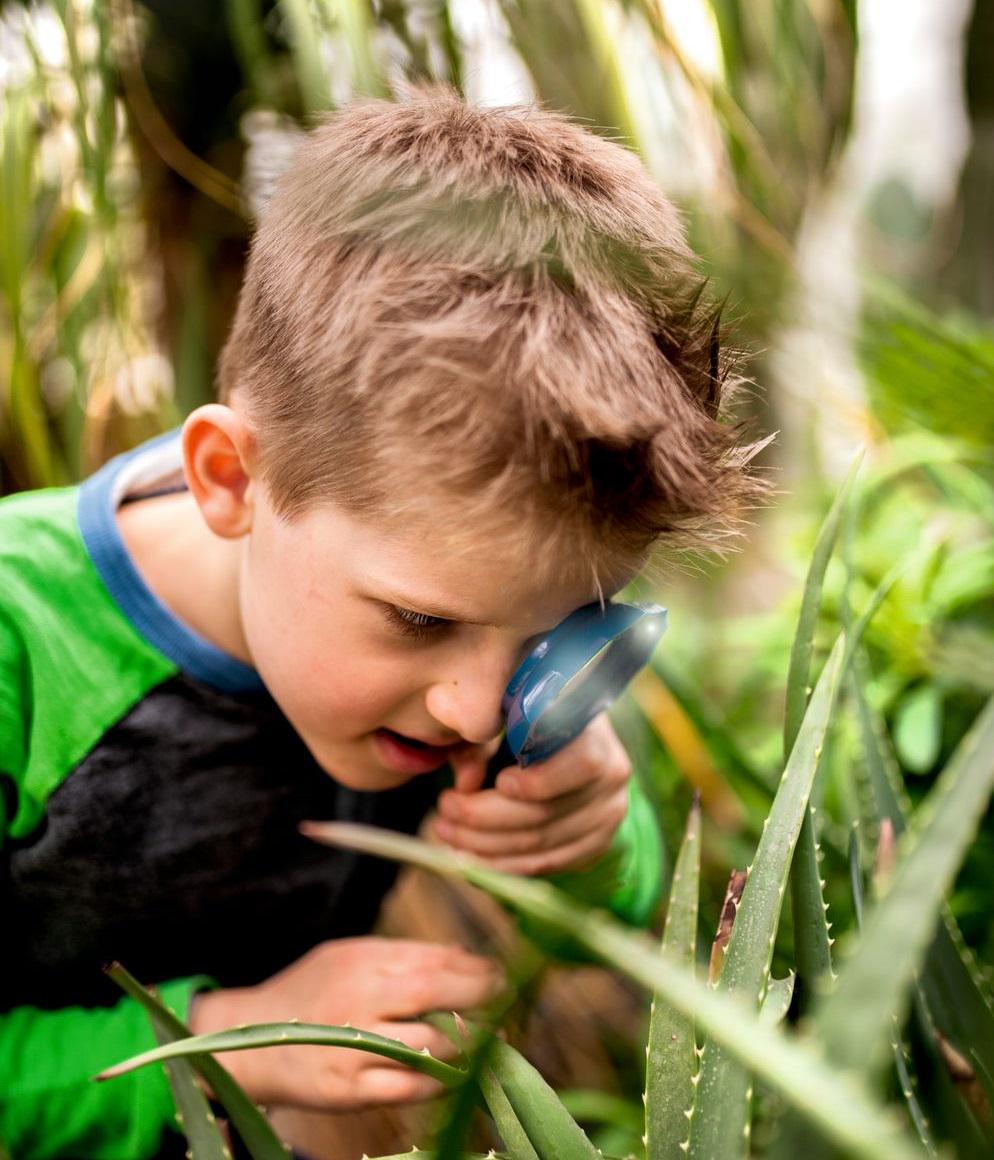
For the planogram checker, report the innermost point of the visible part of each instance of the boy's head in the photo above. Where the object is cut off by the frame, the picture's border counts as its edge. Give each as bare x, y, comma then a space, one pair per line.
480, 330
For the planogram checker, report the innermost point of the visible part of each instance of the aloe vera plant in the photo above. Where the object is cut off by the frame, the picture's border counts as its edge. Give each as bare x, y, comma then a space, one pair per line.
671, 1053
811, 928
720, 1118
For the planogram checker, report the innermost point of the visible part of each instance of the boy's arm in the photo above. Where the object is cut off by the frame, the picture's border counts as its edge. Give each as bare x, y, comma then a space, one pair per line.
49, 1104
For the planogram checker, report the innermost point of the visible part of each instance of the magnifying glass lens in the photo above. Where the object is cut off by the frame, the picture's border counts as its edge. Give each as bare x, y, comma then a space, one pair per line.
593, 687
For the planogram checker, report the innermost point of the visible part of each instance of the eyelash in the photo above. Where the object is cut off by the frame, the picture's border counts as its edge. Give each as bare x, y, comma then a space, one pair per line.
418, 625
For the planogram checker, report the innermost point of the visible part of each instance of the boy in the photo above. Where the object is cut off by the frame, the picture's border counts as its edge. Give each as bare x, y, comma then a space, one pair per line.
468, 387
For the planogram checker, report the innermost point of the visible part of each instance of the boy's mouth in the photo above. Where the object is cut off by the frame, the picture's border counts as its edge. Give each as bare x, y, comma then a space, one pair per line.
408, 754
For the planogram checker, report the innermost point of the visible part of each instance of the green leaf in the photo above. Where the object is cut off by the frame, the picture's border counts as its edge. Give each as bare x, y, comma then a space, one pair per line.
954, 993
812, 945
509, 1127
305, 45
918, 728
287, 1034
193, 1112
477, 1042
901, 1059
671, 1057
550, 1130
839, 1108
355, 20
247, 1119
778, 996
597, 1107
799, 671
720, 1122
854, 1022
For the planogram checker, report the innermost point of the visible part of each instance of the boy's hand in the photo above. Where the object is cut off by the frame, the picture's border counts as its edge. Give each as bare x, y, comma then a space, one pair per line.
376, 984
557, 815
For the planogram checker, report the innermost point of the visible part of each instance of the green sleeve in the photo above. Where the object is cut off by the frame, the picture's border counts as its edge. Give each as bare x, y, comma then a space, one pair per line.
627, 880
49, 1104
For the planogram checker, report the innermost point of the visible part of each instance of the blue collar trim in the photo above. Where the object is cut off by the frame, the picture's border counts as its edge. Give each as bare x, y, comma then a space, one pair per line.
158, 459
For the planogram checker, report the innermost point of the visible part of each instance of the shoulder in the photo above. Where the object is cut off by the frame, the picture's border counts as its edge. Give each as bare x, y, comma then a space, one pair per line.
70, 662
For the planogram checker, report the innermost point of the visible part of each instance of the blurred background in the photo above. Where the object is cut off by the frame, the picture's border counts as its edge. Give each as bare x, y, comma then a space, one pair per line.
835, 163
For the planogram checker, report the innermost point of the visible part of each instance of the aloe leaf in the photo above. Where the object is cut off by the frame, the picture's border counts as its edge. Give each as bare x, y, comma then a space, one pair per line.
286, 1035
802, 649
193, 1112
509, 1127
956, 997
838, 1107
671, 1055
812, 945
778, 996
417, 1153
901, 1059
247, 1119
720, 1122
550, 1129
476, 1043
854, 1022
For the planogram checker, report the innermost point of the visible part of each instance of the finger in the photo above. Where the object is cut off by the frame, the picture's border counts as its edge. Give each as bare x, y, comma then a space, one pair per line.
469, 765
395, 1085
404, 956
599, 815
414, 994
596, 755
577, 855
492, 810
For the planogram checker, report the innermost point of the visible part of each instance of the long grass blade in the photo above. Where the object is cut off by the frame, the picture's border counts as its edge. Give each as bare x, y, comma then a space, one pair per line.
720, 1123
839, 1108
671, 1056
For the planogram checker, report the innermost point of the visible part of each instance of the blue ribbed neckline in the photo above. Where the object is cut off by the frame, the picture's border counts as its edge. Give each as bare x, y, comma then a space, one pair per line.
99, 497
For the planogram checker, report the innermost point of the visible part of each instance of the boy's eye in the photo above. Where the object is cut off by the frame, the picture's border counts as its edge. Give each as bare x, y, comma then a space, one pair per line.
415, 624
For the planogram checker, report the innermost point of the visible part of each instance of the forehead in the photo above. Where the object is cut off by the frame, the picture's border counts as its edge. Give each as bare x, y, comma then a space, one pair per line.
496, 573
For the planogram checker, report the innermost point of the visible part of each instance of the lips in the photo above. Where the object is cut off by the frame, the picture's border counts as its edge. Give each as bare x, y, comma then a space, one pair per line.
410, 754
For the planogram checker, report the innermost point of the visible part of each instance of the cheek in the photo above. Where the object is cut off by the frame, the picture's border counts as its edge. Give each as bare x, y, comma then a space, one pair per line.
326, 670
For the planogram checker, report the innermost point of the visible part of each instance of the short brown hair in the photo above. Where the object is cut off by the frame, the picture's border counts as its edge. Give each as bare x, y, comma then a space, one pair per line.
494, 307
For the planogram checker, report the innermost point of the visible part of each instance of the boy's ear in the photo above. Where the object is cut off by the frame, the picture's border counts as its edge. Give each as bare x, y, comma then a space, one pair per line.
218, 459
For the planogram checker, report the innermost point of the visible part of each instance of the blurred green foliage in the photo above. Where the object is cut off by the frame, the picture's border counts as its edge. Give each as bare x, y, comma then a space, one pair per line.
124, 209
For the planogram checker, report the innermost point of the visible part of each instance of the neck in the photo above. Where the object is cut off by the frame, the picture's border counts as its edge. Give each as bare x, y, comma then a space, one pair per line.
191, 570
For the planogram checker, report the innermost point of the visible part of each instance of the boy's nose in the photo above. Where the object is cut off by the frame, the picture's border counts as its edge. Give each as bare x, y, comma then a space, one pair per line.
469, 705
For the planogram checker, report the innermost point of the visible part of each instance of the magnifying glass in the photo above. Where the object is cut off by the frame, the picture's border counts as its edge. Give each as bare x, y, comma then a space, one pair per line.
573, 674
